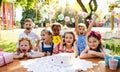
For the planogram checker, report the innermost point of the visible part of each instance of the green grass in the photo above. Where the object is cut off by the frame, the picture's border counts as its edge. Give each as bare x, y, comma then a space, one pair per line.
8, 40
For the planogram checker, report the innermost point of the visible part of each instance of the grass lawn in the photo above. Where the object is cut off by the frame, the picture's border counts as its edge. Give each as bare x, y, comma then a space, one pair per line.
8, 40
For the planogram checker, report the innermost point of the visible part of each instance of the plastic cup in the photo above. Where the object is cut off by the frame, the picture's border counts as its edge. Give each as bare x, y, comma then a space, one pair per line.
113, 64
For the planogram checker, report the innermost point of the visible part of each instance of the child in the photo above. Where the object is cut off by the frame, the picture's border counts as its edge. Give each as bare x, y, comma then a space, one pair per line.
25, 49
47, 46
81, 32
28, 25
56, 34
69, 43
43, 34
95, 48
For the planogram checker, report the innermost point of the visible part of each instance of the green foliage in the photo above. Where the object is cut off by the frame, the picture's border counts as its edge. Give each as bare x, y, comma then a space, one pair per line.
113, 46
30, 13
26, 4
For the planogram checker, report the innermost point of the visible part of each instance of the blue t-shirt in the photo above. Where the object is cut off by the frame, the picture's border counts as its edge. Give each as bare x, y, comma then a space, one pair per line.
82, 43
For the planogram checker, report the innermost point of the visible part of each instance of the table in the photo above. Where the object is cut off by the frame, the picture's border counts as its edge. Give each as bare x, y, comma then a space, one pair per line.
16, 67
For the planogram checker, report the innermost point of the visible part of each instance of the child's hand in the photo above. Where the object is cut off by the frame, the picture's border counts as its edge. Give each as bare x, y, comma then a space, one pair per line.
21, 55
45, 54
76, 55
48, 53
55, 52
35, 48
70, 51
91, 52
28, 55
62, 50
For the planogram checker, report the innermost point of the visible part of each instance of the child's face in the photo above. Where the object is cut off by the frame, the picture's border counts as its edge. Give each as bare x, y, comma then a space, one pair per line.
43, 35
24, 46
93, 42
47, 37
81, 30
69, 39
28, 26
56, 30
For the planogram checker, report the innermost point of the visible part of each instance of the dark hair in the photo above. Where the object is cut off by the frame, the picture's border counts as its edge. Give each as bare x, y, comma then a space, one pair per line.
55, 24
97, 36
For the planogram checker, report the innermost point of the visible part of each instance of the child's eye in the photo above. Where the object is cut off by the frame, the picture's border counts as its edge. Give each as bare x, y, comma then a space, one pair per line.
25, 45
70, 37
66, 37
21, 45
89, 41
94, 41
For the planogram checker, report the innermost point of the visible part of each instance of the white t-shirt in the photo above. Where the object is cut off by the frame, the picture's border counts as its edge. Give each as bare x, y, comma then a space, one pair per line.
32, 36
46, 46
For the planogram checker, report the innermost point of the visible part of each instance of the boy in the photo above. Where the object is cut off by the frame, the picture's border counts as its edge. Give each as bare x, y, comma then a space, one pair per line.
28, 25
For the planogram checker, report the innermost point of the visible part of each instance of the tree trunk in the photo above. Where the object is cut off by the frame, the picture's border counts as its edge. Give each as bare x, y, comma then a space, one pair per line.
0, 2
85, 10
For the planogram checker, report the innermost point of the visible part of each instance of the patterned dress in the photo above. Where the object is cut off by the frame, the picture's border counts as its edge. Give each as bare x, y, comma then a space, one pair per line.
82, 43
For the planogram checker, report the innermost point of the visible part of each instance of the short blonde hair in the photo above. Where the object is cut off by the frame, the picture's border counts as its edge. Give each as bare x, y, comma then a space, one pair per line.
82, 25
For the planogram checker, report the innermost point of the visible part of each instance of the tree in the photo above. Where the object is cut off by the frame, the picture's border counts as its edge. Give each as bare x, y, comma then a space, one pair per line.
93, 7
0, 2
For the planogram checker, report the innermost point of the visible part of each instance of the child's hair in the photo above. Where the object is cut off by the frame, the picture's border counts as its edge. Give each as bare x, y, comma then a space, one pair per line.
43, 30
96, 35
82, 25
28, 20
27, 39
56, 24
74, 39
49, 33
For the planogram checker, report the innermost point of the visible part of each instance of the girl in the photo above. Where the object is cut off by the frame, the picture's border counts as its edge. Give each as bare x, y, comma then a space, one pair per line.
43, 34
56, 34
81, 32
25, 49
69, 43
47, 46
95, 48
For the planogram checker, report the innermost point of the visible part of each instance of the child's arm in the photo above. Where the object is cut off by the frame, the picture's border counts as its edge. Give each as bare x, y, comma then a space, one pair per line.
37, 45
35, 55
55, 49
85, 54
97, 54
76, 22
62, 43
75, 49
91, 24
17, 56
